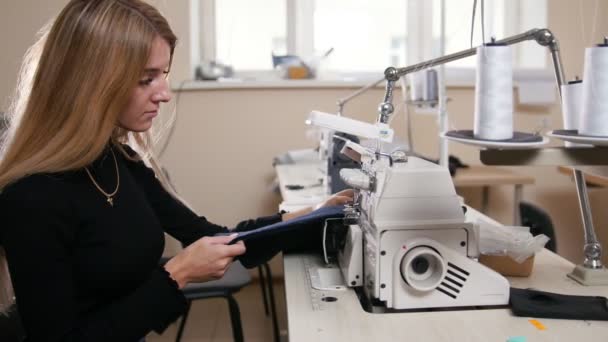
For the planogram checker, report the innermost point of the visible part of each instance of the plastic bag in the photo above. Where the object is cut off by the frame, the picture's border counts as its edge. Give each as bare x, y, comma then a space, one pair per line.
514, 241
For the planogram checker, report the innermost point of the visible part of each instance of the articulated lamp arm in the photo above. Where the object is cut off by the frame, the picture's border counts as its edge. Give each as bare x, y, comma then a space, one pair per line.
543, 37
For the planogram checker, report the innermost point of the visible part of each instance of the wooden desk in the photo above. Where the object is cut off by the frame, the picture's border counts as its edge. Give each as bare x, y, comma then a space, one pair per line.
590, 178
311, 319
308, 175
487, 176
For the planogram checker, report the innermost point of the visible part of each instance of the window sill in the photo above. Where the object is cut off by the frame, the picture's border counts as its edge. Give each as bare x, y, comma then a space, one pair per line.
455, 78
236, 83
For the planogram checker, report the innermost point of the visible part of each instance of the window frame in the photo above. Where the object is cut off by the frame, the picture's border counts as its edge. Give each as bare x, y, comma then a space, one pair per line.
300, 38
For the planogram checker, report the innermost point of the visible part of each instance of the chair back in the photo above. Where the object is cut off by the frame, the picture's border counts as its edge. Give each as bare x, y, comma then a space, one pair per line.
539, 222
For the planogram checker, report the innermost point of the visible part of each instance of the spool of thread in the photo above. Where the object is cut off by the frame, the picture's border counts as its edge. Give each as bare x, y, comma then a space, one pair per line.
494, 93
572, 104
430, 86
416, 83
594, 115
572, 100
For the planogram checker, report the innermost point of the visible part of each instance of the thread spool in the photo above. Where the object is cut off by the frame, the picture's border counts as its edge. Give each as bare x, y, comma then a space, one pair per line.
594, 115
417, 83
572, 104
430, 86
423, 86
494, 93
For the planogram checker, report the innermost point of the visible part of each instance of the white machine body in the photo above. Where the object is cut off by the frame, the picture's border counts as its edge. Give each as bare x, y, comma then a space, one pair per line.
411, 246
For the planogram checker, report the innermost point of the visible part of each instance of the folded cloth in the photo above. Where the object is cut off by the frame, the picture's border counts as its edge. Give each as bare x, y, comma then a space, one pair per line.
316, 217
300, 234
532, 303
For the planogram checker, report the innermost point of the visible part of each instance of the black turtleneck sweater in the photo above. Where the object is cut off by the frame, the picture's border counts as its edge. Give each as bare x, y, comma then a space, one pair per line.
83, 270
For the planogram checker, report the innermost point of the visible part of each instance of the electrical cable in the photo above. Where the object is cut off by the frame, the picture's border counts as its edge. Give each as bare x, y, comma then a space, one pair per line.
582, 19
473, 21
483, 22
594, 24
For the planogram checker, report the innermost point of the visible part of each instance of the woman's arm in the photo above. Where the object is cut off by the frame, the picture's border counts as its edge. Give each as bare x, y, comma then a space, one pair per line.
38, 233
177, 219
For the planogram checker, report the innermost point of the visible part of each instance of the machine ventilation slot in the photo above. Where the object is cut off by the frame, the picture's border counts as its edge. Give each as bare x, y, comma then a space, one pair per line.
458, 269
459, 284
453, 281
450, 287
445, 292
450, 272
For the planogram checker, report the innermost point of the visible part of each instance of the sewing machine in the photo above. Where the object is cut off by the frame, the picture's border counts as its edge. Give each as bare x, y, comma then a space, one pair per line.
407, 243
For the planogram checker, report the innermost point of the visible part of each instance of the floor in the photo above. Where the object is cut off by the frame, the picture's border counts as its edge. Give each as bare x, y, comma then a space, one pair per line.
209, 319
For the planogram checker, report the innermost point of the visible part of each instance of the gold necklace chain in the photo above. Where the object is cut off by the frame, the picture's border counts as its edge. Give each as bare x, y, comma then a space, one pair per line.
109, 196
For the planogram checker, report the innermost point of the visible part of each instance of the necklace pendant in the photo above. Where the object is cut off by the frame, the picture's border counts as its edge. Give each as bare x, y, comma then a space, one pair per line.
110, 201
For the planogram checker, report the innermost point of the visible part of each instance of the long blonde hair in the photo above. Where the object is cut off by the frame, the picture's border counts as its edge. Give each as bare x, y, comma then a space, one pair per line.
73, 84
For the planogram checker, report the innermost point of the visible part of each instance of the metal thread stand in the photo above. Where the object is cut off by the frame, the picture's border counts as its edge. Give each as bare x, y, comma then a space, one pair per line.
591, 272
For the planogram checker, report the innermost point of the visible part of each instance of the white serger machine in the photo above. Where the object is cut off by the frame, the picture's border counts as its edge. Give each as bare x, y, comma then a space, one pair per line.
407, 243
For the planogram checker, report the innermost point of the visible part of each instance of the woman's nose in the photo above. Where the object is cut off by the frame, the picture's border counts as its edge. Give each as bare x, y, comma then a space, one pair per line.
162, 96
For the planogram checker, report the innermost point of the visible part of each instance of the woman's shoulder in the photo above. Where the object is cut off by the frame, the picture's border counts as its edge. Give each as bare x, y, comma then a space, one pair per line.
40, 187
37, 202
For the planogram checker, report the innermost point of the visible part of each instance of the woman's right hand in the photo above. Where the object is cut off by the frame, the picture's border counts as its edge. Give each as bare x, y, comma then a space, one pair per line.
206, 259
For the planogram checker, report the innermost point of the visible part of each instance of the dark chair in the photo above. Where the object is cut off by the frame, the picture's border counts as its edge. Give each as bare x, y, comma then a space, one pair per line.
10, 326
265, 278
539, 222
235, 278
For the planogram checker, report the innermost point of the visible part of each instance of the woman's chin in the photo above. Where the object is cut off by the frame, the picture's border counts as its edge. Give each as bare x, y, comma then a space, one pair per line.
141, 128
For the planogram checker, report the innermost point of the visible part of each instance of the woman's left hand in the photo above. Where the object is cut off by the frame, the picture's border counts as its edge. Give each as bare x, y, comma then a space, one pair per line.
340, 198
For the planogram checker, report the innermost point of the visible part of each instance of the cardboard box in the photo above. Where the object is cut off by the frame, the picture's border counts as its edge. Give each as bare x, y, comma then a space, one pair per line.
297, 72
507, 266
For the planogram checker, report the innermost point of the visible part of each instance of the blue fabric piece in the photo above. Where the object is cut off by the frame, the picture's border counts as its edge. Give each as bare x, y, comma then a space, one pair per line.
316, 217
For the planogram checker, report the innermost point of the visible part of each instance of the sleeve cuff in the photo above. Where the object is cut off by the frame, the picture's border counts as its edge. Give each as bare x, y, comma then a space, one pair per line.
169, 297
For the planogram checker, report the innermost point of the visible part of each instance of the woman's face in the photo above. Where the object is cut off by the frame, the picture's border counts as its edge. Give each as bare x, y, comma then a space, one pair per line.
152, 89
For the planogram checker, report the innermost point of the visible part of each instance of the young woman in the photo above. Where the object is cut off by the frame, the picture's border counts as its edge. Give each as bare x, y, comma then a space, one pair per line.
83, 217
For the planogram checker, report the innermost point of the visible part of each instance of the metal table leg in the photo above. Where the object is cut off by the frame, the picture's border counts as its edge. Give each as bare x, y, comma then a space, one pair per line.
518, 194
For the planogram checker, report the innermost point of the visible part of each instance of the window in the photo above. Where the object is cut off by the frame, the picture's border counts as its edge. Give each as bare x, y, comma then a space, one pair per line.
502, 18
247, 32
363, 36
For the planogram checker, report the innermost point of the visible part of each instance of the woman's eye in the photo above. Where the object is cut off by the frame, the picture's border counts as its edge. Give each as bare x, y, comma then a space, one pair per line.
146, 81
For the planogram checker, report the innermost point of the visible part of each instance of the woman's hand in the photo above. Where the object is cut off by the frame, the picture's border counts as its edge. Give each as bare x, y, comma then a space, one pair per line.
340, 198
206, 259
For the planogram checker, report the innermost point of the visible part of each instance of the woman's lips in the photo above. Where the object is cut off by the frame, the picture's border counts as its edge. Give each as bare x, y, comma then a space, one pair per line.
151, 114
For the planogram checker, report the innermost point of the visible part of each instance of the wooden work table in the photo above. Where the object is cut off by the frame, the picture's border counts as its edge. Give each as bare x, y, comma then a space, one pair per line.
590, 178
